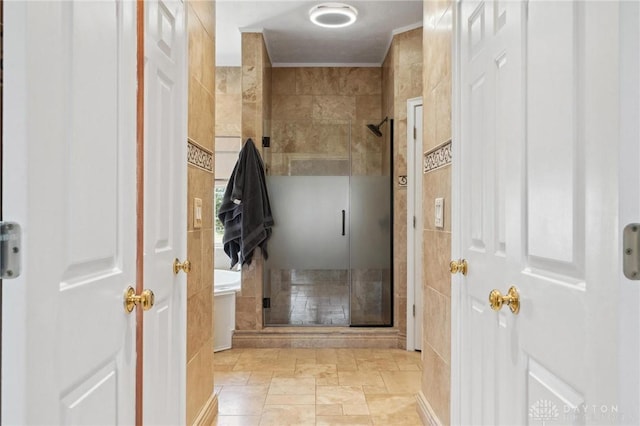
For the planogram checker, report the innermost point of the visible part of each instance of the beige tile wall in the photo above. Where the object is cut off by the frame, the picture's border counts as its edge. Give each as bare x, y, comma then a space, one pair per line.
312, 109
201, 403
256, 122
228, 101
436, 380
402, 80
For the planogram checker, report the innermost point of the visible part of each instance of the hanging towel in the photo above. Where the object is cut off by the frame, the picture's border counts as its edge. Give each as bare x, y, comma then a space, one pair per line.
245, 211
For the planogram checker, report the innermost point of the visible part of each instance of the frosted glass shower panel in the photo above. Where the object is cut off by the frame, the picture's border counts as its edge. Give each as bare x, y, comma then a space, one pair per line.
370, 249
309, 222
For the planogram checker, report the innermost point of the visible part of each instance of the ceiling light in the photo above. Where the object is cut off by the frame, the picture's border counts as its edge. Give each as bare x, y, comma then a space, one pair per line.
333, 15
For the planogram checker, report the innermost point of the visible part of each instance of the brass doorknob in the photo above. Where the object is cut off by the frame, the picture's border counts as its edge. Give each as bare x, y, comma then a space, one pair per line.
145, 300
458, 266
184, 266
512, 298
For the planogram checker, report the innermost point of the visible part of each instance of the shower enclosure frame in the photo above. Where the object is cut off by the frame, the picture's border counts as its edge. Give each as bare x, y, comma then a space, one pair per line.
275, 292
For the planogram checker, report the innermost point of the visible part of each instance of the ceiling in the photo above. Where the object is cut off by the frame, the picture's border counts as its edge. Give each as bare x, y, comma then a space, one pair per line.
292, 40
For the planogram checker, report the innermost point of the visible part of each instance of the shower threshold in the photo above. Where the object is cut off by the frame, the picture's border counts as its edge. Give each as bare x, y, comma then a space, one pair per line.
318, 337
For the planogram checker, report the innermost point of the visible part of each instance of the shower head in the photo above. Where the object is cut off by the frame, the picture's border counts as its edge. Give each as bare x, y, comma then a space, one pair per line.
376, 129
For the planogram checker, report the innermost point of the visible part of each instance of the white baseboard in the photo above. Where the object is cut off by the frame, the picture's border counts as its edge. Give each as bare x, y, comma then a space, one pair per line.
426, 413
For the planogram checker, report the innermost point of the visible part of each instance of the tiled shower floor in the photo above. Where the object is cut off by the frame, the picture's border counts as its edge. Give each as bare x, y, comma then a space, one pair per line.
324, 303
261, 387
322, 297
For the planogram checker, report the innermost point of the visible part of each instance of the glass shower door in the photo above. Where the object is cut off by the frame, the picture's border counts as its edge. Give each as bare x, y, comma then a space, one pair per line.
370, 251
307, 273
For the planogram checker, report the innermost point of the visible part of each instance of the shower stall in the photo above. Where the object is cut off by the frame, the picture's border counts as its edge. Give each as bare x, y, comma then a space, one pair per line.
330, 254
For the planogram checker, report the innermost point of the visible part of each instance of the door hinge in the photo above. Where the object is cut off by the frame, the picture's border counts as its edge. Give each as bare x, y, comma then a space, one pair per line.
631, 250
415, 134
266, 302
414, 222
414, 310
10, 250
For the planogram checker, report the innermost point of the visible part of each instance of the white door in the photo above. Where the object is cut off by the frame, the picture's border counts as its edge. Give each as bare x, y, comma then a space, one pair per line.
69, 180
538, 155
165, 226
415, 223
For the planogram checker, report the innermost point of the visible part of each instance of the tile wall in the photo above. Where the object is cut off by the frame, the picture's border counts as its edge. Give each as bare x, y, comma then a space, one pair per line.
316, 111
228, 101
436, 343
201, 400
256, 123
401, 80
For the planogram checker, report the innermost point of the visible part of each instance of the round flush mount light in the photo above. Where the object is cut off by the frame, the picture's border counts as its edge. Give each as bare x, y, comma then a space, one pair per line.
333, 15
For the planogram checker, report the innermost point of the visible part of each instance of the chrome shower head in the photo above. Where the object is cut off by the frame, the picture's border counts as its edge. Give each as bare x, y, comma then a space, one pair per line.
376, 129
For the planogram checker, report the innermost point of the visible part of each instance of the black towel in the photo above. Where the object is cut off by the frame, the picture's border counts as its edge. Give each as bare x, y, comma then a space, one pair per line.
245, 211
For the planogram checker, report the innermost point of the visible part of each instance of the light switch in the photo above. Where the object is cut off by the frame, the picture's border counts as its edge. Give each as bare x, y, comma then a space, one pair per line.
197, 213
439, 213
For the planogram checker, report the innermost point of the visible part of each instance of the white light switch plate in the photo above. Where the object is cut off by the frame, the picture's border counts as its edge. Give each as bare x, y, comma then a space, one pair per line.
197, 213
439, 213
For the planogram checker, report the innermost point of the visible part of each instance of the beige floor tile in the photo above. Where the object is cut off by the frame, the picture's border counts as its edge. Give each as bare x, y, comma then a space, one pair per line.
317, 387
411, 420
263, 365
358, 378
298, 354
408, 366
393, 409
355, 409
231, 377
400, 355
326, 356
290, 399
329, 410
223, 367
292, 386
343, 420
402, 381
316, 370
347, 366
285, 374
375, 390
305, 361
340, 395
377, 365
226, 357
236, 421
241, 400
278, 415
371, 354
260, 353
260, 378
327, 381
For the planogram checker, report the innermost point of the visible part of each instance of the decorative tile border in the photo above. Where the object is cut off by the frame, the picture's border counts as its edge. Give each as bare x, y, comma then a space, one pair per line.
402, 181
199, 156
439, 156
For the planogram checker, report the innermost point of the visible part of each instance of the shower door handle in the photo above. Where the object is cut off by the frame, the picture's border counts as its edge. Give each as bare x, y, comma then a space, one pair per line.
343, 217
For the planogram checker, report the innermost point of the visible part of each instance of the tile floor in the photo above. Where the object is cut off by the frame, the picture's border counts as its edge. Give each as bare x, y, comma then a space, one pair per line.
317, 387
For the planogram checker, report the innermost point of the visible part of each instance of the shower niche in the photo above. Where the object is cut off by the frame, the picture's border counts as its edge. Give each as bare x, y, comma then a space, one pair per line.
330, 254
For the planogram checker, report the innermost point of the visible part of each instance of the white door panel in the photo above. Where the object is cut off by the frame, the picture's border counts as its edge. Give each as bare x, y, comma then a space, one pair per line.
538, 163
69, 180
165, 216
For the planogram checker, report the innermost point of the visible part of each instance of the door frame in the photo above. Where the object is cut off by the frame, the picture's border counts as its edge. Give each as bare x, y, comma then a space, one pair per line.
412, 233
629, 209
457, 280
